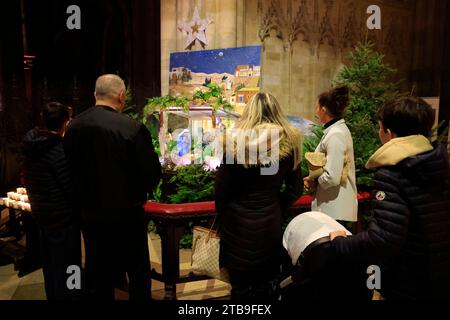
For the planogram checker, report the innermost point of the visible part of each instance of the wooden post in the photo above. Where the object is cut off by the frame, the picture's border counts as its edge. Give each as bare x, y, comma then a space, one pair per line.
213, 116
161, 120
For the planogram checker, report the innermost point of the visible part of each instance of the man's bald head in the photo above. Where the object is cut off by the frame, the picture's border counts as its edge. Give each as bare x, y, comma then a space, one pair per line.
110, 88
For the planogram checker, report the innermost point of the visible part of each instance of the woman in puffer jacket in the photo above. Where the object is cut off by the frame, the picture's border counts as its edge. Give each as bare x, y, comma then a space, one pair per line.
409, 238
249, 198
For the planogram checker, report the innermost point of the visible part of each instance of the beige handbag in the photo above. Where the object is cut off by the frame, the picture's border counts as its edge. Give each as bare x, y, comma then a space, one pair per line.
205, 253
316, 161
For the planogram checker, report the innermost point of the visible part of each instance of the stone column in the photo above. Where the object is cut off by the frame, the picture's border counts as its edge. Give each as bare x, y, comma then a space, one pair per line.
184, 11
169, 31
240, 23
227, 24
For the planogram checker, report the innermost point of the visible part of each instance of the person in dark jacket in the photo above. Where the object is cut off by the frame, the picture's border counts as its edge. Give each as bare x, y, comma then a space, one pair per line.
115, 167
313, 272
409, 238
249, 198
49, 184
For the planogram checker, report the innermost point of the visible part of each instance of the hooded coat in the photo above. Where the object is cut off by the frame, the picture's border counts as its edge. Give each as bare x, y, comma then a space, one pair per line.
48, 180
250, 208
409, 237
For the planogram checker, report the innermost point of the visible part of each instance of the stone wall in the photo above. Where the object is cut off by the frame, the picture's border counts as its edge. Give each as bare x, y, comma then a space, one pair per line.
304, 42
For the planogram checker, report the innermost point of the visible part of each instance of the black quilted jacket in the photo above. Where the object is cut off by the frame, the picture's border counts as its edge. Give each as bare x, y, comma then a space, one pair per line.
47, 179
409, 237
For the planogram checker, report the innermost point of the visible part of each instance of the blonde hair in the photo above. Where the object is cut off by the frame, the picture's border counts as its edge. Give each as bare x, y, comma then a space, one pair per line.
263, 108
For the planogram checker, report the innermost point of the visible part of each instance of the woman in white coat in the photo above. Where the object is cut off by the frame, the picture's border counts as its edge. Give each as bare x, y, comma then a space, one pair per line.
336, 193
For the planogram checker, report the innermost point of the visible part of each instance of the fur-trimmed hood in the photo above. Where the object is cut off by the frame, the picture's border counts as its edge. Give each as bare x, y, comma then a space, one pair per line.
264, 145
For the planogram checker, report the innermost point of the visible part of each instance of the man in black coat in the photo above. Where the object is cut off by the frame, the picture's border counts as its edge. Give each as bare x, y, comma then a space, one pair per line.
48, 181
115, 168
409, 238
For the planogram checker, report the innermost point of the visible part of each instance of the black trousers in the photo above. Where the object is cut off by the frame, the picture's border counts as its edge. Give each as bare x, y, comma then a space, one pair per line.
321, 276
60, 248
254, 286
113, 250
32, 257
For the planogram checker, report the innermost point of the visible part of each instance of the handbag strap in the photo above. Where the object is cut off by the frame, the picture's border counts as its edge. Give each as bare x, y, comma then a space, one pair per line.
194, 244
211, 229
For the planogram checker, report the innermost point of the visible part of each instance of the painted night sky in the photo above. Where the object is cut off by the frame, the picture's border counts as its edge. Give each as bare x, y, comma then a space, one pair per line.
216, 61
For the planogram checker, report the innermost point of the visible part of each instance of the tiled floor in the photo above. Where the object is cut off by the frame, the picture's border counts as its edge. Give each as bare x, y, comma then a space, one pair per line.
31, 287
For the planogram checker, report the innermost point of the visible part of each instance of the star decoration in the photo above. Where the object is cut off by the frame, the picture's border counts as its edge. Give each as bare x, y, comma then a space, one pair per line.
195, 29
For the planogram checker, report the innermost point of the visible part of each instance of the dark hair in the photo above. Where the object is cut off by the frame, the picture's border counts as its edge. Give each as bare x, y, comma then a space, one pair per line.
54, 115
407, 116
335, 100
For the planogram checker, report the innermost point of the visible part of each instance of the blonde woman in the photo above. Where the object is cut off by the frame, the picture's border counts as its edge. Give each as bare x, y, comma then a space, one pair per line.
250, 201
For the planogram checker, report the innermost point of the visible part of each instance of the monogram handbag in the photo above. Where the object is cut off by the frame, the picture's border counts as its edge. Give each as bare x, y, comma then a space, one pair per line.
205, 253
